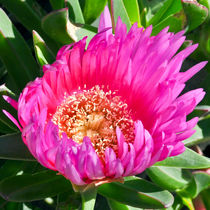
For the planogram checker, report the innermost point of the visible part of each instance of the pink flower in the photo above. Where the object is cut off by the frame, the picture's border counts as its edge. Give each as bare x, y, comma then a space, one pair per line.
113, 108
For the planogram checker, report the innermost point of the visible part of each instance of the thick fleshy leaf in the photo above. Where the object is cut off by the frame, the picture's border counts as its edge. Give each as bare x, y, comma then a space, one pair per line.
137, 192
205, 195
114, 205
29, 16
169, 178
198, 135
200, 182
175, 24
92, 9
170, 7
10, 168
195, 12
202, 133
57, 4
75, 11
13, 49
33, 187
120, 11
43, 54
188, 159
12, 147
57, 25
132, 9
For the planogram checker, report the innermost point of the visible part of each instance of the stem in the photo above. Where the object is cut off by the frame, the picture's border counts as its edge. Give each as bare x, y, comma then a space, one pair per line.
112, 15
88, 198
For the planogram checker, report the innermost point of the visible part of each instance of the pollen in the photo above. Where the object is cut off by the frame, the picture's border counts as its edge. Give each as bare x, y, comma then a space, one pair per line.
95, 113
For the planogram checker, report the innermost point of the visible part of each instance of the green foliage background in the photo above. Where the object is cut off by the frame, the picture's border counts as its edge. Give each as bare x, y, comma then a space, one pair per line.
31, 32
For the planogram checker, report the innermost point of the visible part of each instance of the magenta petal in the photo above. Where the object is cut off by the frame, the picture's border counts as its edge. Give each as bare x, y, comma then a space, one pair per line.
71, 172
144, 119
139, 136
12, 119
121, 140
105, 22
94, 167
132, 156
11, 101
110, 161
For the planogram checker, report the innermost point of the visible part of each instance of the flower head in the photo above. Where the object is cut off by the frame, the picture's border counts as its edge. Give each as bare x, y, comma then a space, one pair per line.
112, 108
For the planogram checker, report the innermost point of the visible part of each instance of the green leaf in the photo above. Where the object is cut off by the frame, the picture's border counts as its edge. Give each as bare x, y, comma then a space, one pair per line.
200, 182
10, 168
169, 178
55, 24
195, 12
114, 205
75, 12
195, 137
175, 23
132, 9
58, 27
202, 130
137, 192
89, 198
57, 4
26, 14
29, 13
92, 9
37, 186
120, 11
15, 54
170, 7
205, 195
12, 147
188, 159
43, 54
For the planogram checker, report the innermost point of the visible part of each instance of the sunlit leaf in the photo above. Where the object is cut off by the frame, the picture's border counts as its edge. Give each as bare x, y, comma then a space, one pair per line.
195, 12
15, 54
75, 12
43, 54
92, 9
188, 159
175, 23
169, 8
169, 178
114, 205
57, 25
89, 198
202, 132
132, 9
120, 11
137, 192
200, 182
26, 14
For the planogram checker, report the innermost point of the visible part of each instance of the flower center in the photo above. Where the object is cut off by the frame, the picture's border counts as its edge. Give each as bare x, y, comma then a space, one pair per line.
96, 114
